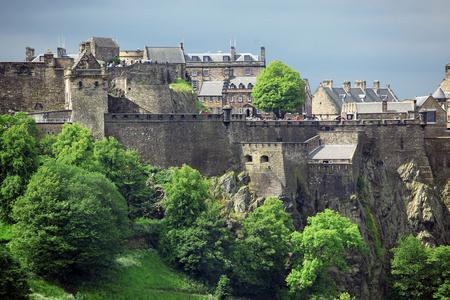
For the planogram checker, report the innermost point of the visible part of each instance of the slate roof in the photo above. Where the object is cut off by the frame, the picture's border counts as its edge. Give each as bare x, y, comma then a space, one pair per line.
171, 55
245, 80
421, 100
377, 107
211, 88
104, 42
219, 57
325, 152
439, 94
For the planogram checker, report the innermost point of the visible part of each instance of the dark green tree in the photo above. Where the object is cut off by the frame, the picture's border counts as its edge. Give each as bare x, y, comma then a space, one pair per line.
321, 246
13, 280
70, 222
18, 159
261, 251
278, 89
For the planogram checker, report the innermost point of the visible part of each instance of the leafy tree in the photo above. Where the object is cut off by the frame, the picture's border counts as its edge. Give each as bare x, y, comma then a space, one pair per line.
319, 247
185, 197
18, 159
200, 248
278, 89
130, 176
261, 252
69, 222
223, 288
13, 280
421, 272
74, 145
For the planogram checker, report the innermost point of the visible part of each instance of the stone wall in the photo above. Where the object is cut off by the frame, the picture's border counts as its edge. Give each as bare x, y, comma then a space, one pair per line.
31, 86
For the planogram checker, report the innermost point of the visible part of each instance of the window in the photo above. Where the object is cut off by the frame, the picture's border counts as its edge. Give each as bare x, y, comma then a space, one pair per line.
205, 72
241, 86
218, 99
249, 98
232, 99
232, 86
248, 71
194, 85
210, 99
240, 99
250, 86
248, 158
194, 73
226, 58
80, 84
247, 58
264, 159
96, 84
195, 58
206, 58
431, 116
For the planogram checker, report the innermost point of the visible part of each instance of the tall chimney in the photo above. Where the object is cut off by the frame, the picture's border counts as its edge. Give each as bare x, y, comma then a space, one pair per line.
61, 52
182, 46
233, 53
262, 54
360, 84
29, 54
346, 86
376, 85
327, 83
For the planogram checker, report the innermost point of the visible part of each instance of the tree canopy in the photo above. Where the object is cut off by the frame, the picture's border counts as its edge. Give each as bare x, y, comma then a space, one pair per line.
69, 222
278, 89
261, 252
319, 247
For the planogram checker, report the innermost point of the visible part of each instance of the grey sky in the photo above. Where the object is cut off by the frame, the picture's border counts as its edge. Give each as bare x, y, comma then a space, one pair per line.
402, 42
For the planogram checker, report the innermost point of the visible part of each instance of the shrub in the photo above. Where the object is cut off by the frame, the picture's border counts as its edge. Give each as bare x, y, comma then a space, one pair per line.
69, 222
13, 280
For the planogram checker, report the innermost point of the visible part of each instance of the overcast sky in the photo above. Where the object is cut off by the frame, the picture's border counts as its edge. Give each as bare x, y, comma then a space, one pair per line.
402, 42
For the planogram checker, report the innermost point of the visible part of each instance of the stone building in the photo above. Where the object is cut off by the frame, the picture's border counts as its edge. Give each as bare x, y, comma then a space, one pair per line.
328, 100
129, 57
104, 49
379, 110
167, 55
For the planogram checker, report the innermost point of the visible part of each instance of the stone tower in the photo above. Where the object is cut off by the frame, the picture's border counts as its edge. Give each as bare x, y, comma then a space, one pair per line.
86, 92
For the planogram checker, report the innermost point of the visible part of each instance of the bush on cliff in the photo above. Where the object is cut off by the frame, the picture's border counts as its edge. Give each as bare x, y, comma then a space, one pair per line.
318, 248
18, 159
262, 250
70, 222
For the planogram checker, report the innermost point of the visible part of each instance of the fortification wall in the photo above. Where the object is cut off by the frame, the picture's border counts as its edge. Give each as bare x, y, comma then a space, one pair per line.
31, 86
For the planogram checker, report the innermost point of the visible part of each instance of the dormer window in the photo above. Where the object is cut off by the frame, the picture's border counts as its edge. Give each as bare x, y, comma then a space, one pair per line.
226, 58
247, 58
241, 86
232, 86
250, 86
195, 58
206, 58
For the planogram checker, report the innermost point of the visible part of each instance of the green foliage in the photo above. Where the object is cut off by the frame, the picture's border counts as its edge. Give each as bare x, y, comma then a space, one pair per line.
13, 280
185, 197
261, 252
124, 169
18, 159
200, 106
223, 288
69, 222
201, 248
421, 272
320, 246
148, 229
181, 85
115, 60
278, 89
345, 296
373, 231
6, 233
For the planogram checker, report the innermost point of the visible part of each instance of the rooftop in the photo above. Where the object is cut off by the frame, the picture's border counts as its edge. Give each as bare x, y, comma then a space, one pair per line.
171, 55
334, 152
211, 88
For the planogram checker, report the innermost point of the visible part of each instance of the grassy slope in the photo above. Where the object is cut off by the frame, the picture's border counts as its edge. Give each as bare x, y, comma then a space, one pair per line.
139, 274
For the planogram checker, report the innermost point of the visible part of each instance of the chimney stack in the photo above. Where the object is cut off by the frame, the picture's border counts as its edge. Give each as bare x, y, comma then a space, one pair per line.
327, 83
346, 86
29, 54
384, 106
182, 46
360, 84
85, 47
447, 71
233, 53
376, 85
262, 54
61, 52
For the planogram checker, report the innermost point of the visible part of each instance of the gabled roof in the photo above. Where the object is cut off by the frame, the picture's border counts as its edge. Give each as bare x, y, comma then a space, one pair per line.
104, 42
245, 80
439, 94
211, 88
86, 61
171, 55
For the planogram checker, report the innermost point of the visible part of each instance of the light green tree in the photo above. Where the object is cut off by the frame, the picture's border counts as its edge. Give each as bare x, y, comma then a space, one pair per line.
321, 246
278, 89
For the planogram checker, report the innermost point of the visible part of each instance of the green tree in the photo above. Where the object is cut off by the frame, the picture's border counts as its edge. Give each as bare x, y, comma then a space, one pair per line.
130, 176
319, 247
185, 197
261, 251
18, 159
421, 272
69, 222
278, 89
13, 280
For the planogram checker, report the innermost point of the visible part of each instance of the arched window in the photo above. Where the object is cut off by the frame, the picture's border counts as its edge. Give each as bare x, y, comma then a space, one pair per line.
248, 158
264, 159
241, 86
232, 86
250, 86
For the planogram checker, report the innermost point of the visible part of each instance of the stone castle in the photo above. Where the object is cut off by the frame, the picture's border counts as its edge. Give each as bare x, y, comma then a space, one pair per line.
360, 134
